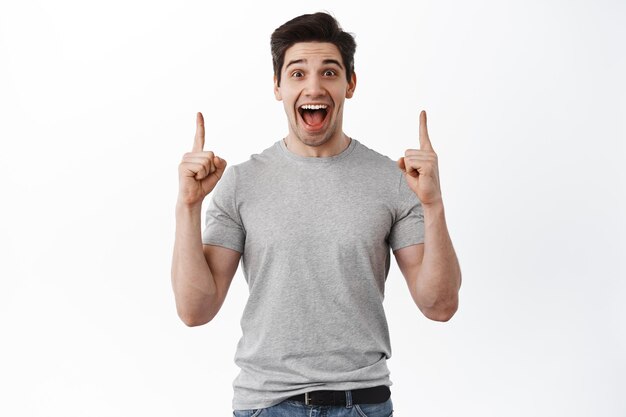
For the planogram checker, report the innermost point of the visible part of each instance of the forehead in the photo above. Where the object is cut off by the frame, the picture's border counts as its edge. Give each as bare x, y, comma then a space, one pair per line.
312, 52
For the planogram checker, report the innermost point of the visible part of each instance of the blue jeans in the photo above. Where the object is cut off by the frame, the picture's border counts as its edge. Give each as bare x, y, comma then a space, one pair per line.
290, 408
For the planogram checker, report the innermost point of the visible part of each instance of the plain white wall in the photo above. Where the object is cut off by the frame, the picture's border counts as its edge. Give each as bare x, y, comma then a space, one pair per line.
527, 109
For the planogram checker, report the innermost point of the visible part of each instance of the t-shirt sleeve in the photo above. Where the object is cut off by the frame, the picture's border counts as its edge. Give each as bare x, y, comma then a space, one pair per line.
223, 225
408, 227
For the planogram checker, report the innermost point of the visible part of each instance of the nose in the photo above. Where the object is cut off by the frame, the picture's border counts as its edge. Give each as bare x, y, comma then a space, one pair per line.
314, 87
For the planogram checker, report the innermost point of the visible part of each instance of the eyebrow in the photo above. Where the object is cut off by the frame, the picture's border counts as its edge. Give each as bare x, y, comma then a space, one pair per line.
325, 62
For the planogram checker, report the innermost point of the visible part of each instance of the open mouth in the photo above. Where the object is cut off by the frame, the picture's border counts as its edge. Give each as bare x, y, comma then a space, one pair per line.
313, 115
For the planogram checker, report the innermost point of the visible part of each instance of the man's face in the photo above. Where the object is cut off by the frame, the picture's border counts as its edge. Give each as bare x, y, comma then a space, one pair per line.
313, 88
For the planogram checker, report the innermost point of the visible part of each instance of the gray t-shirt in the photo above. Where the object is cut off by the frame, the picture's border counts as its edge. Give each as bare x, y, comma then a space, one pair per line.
315, 235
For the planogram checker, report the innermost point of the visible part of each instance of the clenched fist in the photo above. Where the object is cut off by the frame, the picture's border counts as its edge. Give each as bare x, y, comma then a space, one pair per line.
421, 169
199, 171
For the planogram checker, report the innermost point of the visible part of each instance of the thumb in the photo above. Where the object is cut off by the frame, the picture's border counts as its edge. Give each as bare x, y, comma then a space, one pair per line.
210, 181
220, 165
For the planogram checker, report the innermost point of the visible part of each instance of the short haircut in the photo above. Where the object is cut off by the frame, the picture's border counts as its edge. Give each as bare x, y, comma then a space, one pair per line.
317, 27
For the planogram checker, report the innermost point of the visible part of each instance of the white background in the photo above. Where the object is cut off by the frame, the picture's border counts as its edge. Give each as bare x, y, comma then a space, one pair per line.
527, 109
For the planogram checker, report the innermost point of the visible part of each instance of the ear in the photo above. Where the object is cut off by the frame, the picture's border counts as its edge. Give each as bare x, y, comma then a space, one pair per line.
277, 94
351, 86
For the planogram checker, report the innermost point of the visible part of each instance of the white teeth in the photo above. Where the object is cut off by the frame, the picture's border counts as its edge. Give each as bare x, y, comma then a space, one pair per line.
313, 106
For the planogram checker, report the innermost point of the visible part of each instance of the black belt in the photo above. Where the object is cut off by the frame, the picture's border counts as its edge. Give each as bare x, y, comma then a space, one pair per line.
373, 395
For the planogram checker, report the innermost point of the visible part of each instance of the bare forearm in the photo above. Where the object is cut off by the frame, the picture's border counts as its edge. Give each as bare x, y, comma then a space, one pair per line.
439, 277
192, 281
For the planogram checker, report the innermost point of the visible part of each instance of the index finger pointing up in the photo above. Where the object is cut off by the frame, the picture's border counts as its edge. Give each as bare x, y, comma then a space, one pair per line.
198, 142
424, 139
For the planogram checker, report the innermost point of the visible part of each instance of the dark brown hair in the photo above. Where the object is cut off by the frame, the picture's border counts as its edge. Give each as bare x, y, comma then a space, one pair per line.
317, 27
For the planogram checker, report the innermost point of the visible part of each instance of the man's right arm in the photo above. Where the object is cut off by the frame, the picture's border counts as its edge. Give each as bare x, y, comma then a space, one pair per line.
201, 274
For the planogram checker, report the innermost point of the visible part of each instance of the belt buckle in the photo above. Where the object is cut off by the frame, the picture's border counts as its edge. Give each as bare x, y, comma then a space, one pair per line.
307, 398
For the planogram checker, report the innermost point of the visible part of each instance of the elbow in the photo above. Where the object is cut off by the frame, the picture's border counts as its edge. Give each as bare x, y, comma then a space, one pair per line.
442, 312
441, 315
192, 311
192, 319
193, 322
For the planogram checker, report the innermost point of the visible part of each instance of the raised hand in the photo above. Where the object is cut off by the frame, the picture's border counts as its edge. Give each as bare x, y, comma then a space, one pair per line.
199, 171
421, 169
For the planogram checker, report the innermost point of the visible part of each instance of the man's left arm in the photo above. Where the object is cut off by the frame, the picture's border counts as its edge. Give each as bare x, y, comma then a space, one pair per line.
431, 269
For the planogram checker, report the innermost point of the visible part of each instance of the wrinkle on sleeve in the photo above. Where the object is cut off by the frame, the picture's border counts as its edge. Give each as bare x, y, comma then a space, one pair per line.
223, 225
408, 226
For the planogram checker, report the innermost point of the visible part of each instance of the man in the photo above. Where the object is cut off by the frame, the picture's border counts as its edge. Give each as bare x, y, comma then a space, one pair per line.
314, 217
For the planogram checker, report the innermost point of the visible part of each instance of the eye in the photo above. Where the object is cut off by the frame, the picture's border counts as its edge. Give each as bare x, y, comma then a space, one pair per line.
329, 73
297, 74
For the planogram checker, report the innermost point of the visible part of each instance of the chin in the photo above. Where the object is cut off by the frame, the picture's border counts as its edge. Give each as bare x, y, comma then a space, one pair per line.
309, 140
317, 138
